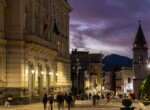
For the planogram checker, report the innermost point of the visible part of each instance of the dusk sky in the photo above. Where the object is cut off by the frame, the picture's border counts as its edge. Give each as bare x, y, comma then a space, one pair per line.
108, 26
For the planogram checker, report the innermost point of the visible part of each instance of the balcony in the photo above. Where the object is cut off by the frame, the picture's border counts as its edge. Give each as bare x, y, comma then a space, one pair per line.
39, 41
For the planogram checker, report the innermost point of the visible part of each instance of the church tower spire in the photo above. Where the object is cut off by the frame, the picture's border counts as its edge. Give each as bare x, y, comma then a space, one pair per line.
140, 59
140, 38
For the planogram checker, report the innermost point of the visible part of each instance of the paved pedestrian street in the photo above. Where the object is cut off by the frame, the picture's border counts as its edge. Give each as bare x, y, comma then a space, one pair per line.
115, 104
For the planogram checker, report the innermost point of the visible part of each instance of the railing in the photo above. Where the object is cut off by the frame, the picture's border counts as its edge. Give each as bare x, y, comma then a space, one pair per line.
40, 41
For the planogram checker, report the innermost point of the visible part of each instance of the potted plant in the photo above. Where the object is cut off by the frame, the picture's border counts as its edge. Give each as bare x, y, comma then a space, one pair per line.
127, 103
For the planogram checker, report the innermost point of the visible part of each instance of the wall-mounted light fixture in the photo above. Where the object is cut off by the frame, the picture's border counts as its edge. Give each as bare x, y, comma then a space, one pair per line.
42, 72
32, 71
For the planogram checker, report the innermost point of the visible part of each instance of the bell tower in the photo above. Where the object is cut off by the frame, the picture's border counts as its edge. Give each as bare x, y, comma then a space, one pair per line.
140, 59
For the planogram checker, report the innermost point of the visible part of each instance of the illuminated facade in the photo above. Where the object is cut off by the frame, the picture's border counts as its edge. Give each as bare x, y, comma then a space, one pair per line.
127, 80
34, 49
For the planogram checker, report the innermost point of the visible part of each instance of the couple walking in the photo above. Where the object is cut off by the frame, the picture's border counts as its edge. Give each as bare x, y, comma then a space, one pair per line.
50, 99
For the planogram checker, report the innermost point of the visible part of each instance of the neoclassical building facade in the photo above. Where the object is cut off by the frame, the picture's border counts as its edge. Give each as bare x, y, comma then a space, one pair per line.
34, 49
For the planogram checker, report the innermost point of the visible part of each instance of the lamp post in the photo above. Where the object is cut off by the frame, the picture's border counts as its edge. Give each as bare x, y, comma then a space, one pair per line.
77, 67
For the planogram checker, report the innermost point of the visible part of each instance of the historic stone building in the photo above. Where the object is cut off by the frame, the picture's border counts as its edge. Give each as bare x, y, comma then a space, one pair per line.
89, 67
118, 83
127, 80
34, 49
140, 60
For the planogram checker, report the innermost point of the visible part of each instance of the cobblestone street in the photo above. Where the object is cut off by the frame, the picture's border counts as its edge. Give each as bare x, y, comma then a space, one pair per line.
115, 104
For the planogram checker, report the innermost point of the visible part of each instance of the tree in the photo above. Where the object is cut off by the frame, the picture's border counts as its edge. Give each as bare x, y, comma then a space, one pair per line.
145, 87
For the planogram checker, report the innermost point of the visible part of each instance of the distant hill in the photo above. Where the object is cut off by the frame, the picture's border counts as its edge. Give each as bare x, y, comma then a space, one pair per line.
113, 60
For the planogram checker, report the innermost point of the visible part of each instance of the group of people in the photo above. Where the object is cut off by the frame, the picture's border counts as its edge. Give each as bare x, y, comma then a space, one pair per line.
60, 100
96, 100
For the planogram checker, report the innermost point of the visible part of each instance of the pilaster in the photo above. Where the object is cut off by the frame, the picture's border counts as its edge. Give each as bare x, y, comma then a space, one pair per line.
32, 16
14, 20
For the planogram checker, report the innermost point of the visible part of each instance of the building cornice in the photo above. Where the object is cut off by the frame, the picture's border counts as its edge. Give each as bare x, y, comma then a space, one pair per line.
40, 50
59, 58
63, 4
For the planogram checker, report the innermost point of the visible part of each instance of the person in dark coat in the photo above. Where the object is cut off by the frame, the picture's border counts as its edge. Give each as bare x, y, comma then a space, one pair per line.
108, 97
98, 99
45, 101
94, 100
59, 100
69, 100
51, 99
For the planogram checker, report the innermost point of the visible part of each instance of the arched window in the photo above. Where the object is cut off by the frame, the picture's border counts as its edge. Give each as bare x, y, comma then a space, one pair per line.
140, 59
37, 20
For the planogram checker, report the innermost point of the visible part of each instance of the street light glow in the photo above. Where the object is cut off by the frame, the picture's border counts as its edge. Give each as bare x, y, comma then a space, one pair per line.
32, 71
42, 72
56, 74
148, 66
50, 73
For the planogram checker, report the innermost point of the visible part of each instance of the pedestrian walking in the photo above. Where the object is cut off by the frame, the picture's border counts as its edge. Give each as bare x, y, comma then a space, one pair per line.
51, 99
63, 99
45, 101
108, 97
69, 100
94, 100
90, 96
59, 101
98, 99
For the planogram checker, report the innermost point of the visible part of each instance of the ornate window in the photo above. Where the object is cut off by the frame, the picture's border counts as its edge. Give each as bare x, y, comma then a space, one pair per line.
26, 16
140, 59
37, 20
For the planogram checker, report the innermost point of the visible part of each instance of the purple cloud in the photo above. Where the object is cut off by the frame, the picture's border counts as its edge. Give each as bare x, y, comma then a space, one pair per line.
109, 23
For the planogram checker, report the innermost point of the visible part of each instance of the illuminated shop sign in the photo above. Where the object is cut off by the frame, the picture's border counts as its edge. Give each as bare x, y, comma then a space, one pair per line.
129, 86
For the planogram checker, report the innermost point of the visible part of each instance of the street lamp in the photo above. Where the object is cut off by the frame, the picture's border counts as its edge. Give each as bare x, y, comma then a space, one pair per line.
32, 71
42, 72
148, 65
77, 67
50, 73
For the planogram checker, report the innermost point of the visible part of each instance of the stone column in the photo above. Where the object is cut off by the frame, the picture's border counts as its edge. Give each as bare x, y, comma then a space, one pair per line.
32, 16
41, 18
14, 19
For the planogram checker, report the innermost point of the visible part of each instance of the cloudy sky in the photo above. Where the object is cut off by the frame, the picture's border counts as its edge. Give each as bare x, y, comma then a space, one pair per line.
108, 26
